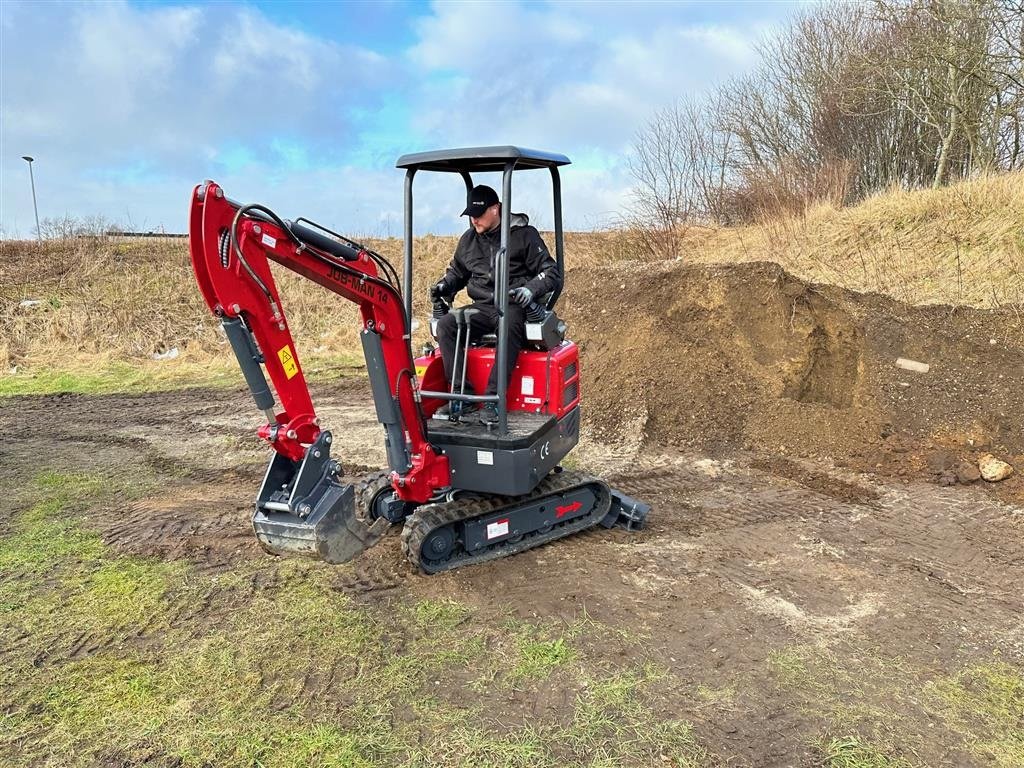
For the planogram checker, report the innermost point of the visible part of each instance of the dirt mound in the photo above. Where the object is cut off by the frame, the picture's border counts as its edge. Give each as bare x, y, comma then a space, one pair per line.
747, 356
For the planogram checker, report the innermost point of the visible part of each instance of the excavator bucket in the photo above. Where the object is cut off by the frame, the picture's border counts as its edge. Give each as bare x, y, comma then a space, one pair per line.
332, 532
303, 509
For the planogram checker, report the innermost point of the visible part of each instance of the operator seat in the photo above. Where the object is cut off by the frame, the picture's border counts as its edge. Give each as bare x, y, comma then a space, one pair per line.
543, 335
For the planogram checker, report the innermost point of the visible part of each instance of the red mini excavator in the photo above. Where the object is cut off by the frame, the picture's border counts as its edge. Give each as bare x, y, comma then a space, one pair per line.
466, 492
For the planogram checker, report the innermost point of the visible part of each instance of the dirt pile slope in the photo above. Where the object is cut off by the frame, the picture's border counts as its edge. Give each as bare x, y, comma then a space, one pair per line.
746, 355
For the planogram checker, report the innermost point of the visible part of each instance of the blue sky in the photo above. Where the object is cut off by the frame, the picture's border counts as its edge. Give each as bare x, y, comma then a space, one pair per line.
306, 106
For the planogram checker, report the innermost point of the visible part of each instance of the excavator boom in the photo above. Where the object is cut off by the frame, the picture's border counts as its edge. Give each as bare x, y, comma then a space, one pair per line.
303, 506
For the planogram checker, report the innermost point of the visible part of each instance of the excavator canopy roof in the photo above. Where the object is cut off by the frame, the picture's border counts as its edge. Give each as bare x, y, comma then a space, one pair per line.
480, 159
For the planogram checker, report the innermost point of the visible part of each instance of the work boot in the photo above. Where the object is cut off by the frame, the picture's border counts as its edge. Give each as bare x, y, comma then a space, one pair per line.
489, 414
455, 409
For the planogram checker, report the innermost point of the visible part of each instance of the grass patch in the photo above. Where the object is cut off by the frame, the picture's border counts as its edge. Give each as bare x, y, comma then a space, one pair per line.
985, 703
123, 660
43, 535
126, 592
118, 376
486, 747
205, 705
850, 752
537, 658
612, 723
798, 667
439, 615
722, 696
869, 695
538, 650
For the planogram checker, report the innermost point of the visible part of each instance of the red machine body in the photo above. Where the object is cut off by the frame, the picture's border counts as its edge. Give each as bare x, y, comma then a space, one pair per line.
542, 381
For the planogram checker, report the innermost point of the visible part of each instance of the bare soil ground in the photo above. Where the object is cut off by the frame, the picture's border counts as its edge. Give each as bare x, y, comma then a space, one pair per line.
787, 601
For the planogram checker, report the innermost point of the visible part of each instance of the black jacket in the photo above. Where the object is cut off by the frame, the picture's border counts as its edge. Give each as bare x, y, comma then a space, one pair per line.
529, 262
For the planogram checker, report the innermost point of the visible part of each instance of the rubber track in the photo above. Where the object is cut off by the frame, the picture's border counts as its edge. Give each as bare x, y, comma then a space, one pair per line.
430, 517
366, 488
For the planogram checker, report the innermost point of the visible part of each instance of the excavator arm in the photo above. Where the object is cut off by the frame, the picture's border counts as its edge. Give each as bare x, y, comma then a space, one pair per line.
303, 506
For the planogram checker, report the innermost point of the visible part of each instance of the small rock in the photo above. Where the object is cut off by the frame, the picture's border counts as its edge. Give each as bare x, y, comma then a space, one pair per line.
947, 478
992, 469
912, 365
967, 473
29, 303
170, 354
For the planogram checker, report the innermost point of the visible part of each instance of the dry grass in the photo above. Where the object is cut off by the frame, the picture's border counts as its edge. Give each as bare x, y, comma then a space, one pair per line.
960, 245
112, 300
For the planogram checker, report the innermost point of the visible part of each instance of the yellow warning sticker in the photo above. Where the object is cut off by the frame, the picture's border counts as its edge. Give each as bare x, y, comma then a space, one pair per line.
288, 361
420, 370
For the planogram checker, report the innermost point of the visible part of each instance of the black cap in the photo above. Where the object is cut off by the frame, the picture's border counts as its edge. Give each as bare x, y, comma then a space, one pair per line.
481, 198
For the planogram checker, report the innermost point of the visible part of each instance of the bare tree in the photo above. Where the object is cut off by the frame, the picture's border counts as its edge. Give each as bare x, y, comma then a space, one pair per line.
848, 99
677, 164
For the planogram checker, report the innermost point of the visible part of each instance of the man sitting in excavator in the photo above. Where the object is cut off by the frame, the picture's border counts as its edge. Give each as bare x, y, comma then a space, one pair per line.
532, 274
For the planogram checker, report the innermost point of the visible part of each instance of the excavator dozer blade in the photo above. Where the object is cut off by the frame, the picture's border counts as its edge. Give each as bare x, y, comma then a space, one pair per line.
308, 511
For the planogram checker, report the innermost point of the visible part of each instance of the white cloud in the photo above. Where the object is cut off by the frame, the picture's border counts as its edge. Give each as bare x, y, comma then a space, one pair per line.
127, 106
118, 103
592, 91
574, 78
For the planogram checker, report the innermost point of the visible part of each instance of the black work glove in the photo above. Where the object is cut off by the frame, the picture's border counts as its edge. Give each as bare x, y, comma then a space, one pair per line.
439, 290
521, 295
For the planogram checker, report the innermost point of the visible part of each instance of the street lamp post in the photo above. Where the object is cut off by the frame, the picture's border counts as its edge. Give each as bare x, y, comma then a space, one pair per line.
27, 159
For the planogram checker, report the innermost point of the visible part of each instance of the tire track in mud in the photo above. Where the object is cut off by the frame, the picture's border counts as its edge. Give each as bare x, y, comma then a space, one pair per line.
210, 531
382, 570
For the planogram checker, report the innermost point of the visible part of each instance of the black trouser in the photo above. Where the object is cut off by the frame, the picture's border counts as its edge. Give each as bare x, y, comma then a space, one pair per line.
481, 323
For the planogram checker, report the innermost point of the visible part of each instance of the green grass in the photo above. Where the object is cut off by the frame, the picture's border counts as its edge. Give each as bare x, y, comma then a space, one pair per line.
439, 615
865, 697
804, 668
153, 376
613, 724
537, 658
110, 378
43, 535
538, 650
723, 695
112, 659
985, 702
850, 752
473, 745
